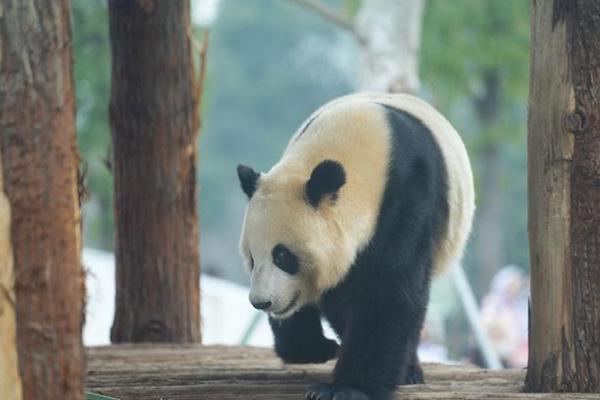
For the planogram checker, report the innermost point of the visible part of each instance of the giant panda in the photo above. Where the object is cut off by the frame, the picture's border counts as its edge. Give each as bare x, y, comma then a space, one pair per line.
372, 197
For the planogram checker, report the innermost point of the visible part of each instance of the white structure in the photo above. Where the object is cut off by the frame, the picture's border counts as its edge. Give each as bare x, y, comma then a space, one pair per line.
226, 311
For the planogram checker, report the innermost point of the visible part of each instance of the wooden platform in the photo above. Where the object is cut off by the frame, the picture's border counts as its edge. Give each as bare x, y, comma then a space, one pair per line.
169, 372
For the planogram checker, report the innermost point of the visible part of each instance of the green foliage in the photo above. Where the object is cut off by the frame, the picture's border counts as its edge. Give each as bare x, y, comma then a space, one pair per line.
462, 39
351, 7
92, 88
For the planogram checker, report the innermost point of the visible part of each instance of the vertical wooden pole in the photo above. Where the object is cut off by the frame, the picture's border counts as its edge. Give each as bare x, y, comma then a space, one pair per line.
564, 196
39, 162
10, 381
154, 123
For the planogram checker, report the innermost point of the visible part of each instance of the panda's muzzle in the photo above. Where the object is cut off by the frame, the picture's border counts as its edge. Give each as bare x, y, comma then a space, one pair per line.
261, 305
291, 305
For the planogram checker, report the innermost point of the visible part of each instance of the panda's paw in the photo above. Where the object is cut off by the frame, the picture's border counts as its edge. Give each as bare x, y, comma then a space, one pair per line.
321, 391
326, 391
414, 376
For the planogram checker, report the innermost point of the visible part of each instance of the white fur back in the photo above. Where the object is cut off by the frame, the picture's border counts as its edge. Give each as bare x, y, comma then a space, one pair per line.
461, 192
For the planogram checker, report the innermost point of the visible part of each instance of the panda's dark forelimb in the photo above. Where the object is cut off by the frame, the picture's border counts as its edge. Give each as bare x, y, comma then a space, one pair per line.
414, 374
299, 338
378, 349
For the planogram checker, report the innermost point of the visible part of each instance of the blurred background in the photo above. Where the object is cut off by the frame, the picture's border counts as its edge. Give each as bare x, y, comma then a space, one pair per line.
270, 64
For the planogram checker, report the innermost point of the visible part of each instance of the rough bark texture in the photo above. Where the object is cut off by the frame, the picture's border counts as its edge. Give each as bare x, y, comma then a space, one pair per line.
564, 196
10, 381
154, 124
138, 372
39, 161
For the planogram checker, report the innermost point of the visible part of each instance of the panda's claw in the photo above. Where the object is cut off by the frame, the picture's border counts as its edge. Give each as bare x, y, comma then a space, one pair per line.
321, 391
414, 376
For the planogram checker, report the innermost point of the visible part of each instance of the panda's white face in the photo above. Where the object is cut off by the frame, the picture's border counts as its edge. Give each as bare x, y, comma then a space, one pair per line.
291, 247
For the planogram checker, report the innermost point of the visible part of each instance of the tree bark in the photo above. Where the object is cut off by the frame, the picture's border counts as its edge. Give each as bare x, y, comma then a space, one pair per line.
154, 123
489, 247
39, 161
390, 35
564, 196
10, 381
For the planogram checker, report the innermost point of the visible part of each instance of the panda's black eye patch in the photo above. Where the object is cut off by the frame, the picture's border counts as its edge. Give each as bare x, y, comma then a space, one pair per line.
285, 260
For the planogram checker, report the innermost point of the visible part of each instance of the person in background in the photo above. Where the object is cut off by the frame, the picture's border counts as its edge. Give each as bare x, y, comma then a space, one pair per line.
504, 315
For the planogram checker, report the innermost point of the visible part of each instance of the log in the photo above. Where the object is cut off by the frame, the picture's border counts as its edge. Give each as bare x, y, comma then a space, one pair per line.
564, 194
154, 126
40, 167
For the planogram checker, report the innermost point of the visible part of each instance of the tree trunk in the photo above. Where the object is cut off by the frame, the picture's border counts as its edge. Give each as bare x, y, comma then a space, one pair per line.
489, 247
154, 122
39, 161
10, 381
564, 194
390, 39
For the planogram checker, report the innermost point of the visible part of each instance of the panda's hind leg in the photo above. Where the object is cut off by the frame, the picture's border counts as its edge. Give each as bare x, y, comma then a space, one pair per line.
299, 339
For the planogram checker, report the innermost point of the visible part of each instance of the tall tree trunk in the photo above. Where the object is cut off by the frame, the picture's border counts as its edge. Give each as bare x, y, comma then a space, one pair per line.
489, 248
389, 32
154, 122
39, 161
10, 381
564, 194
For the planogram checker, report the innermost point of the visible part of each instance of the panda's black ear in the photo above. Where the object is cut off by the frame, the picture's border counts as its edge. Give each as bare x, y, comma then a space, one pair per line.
248, 179
326, 179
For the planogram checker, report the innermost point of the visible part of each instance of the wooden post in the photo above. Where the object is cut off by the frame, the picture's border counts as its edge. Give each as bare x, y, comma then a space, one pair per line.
154, 123
39, 163
10, 381
564, 196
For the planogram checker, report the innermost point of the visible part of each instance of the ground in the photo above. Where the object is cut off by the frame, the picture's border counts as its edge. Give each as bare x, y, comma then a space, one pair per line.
186, 372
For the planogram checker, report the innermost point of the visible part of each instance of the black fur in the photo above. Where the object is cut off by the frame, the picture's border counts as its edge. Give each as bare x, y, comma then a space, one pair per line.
379, 308
248, 179
326, 179
285, 260
299, 339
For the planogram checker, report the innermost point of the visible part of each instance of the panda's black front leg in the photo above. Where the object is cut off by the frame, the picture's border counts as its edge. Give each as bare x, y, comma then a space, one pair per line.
376, 355
300, 339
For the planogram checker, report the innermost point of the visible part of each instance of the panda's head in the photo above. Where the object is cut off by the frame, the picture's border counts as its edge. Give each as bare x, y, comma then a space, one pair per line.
291, 240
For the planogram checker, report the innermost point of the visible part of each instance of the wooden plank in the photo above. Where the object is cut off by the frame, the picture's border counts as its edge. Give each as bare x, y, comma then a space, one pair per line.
218, 372
550, 151
564, 194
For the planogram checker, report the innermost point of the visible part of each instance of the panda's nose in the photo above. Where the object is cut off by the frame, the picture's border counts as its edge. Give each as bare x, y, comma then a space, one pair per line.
261, 305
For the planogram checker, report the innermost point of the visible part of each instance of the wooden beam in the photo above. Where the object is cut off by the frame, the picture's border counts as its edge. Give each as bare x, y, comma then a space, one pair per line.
564, 196
40, 168
154, 126
241, 373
